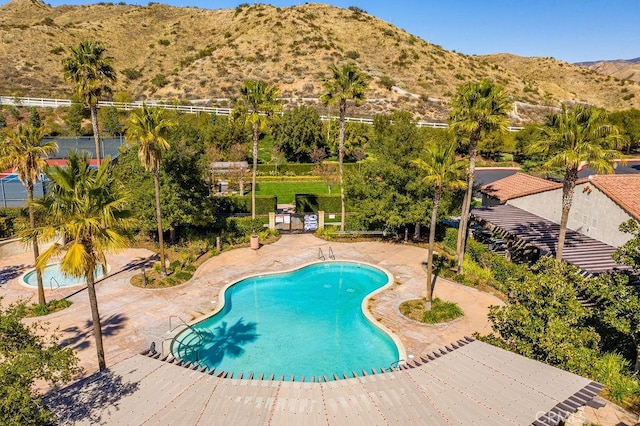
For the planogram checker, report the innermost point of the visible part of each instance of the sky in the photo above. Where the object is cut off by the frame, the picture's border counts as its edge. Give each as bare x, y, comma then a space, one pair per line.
570, 30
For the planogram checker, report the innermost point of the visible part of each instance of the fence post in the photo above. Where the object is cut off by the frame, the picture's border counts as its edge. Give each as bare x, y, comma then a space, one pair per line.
4, 198
320, 219
272, 221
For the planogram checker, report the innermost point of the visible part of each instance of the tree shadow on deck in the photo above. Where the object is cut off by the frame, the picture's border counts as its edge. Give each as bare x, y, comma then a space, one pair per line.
10, 272
85, 400
81, 337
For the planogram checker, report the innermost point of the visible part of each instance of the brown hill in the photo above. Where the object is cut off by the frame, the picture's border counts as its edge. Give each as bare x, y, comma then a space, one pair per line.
622, 69
164, 52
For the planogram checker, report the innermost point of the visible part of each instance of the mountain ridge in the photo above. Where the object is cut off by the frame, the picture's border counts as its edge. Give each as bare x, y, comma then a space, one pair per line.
188, 53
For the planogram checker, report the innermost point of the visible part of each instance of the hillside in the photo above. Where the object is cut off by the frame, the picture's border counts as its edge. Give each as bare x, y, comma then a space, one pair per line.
165, 52
628, 69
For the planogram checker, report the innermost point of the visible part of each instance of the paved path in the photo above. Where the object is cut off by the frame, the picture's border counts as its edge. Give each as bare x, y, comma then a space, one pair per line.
132, 317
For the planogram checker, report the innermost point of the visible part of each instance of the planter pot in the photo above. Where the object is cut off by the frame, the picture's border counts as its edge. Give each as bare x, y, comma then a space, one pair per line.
255, 242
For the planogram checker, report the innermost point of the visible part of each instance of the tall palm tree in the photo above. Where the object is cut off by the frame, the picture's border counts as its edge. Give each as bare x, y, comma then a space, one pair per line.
24, 152
150, 129
477, 110
259, 97
87, 208
344, 84
573, 138
91, 72
443, 171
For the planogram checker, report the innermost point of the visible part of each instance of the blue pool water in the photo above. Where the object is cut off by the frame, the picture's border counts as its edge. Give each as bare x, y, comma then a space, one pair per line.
308, 322
53, 278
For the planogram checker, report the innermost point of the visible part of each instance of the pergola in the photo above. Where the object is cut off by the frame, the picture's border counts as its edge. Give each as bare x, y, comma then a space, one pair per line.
590, 255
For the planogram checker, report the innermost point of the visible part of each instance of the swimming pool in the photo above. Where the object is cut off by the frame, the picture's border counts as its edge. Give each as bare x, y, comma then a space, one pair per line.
52, 277
308, 322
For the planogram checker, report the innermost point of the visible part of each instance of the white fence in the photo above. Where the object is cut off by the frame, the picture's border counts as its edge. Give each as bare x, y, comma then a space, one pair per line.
189, 109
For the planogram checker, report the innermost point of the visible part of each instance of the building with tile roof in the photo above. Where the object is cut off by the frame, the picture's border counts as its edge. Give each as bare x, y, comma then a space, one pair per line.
600, 202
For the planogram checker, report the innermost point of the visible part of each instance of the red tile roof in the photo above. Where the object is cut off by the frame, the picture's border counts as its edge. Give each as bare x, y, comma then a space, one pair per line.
518, 185
623, 189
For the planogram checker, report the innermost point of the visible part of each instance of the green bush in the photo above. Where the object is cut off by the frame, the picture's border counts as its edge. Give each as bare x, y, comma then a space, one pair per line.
450, 238
37, 310
227, 206
183, 275
311, 203
131, 73
175, 265
265, 204
441, 311
159, 80
8, 217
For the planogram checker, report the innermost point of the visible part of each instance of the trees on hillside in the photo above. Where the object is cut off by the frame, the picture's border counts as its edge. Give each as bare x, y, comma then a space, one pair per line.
442, 171
91, 72
23, 151
344, 84
260, 98
148, 129
573, 138
87, 207
476, 110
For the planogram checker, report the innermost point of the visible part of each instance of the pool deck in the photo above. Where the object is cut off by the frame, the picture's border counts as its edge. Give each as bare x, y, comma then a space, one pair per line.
133, 317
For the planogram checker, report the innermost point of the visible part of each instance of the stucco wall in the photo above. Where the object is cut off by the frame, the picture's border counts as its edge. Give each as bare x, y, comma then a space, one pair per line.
547, 205
592, 212
596, 215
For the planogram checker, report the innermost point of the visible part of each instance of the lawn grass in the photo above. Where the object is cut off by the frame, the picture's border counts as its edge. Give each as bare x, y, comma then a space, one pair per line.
441, 311
286, 191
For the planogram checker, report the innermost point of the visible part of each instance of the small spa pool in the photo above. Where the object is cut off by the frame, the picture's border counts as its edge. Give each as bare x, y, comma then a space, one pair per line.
308, 322
52, 278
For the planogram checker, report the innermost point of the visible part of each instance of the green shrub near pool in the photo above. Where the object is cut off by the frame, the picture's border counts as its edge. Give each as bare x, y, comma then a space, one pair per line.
441, 311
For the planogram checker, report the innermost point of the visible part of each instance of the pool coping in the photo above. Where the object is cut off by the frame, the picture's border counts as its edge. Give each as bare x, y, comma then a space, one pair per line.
402, 353
23, 282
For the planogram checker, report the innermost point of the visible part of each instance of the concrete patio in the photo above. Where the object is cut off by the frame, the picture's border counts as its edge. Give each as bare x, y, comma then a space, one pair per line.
133, 317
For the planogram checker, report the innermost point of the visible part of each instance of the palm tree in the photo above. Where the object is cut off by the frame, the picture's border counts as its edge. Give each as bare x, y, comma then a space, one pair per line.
23, 151
90, 71
149, 128
574, 138
87, 208
259, 97
344, 84
442, 171
477, 110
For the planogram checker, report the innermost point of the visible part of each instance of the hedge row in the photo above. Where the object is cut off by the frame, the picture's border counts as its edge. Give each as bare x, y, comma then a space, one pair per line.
308, 203
293, 169
233, 205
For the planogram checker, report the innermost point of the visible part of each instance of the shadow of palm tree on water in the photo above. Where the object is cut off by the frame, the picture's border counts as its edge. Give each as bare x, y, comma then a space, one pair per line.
222, 341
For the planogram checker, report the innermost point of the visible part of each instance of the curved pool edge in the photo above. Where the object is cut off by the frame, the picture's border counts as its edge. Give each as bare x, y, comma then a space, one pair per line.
402, 353
23, 282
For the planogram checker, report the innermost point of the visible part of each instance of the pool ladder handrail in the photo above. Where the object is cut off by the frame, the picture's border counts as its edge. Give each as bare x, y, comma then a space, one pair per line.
321, 254
51, 281
185, 324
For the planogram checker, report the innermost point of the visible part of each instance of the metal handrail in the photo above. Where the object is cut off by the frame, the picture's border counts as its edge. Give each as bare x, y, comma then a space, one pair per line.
51, 281
321, 254
185, 324
331, 255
